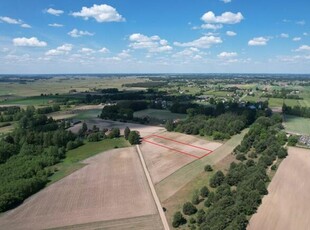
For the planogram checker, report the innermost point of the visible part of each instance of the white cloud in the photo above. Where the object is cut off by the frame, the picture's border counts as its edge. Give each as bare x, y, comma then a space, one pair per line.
283, 35
11, 20
24, 25
61, 50
226, 1
75, 33
203, 42
303, 48
231, 33
211, 26
259, 41
189, 53
296, 39
87, 51
104, 50
14, 21
305, 34
225, 18
227, 54
54, 12
33, 42
153, 44
101, 13
55, 25
302, 22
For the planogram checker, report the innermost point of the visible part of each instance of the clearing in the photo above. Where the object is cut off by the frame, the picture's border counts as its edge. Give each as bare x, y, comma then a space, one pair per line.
167, 152
112, 186
144, 130
297, 125
286, 206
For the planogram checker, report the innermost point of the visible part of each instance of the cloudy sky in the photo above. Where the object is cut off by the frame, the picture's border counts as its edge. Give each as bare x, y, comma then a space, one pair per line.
138, 36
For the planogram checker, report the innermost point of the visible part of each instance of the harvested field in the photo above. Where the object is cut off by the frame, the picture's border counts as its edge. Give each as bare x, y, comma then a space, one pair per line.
166, 152
144, 130
111, 187
287, 204
175, 181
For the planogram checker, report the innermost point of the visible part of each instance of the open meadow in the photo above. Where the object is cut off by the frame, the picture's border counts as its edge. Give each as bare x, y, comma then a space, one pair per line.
297, 125
286, 206
112, 186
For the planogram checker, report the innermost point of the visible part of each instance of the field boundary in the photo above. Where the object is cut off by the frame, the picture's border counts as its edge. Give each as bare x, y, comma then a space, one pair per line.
145, 139
151, 185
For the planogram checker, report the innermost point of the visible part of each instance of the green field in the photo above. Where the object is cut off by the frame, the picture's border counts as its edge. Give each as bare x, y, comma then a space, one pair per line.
298, 125
88, 114
73, 159
63, 85
159, 114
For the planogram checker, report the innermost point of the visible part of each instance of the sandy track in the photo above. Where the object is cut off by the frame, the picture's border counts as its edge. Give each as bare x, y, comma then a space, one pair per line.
287, 204
162, 162
112, 186
144, 130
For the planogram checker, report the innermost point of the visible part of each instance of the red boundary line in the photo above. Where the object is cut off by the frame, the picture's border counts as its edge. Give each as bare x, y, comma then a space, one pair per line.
169, 139
176, 150
185, 153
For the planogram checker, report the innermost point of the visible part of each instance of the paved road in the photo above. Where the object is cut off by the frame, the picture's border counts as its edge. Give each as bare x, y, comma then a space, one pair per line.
156, 199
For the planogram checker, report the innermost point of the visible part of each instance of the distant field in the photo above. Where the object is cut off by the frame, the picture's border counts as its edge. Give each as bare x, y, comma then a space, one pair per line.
286, 206
298, 125
112, 186
159, 114
64, 85
73, 159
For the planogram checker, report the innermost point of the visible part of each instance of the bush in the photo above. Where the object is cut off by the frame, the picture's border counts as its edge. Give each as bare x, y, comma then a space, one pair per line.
208, 168
189, 209
195, 199
273, 168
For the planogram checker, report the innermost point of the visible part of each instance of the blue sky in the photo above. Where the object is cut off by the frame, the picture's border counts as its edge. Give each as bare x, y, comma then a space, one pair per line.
201, 36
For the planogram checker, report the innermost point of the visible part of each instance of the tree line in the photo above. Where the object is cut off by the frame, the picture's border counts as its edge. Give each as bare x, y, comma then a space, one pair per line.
230, 200
296, 110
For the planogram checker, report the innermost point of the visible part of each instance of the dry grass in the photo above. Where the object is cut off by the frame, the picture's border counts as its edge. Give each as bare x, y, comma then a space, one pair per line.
287, 204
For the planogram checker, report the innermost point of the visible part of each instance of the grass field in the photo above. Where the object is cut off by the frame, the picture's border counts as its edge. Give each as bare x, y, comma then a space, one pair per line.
73, 159
159, 114
298, 125
88, 114
171, 184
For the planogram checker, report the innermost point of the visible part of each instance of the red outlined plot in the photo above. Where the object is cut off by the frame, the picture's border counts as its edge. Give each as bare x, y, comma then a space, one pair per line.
208, 151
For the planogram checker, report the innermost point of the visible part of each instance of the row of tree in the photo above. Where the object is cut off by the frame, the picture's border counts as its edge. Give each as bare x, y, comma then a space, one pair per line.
296, 110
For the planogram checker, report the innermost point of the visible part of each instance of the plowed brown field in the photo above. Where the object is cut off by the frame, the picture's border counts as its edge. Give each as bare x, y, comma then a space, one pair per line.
111, 187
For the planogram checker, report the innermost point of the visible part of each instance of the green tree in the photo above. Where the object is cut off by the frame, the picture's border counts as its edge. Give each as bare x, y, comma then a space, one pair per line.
195, 198
126, 132
189, 209
204, 191
261, 187
217, 179
292, 140
169, 125
134, 138
178, 220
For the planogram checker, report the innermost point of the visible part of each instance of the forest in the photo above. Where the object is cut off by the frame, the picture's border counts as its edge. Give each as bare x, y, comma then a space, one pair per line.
221, 121
229, 200
25, 154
